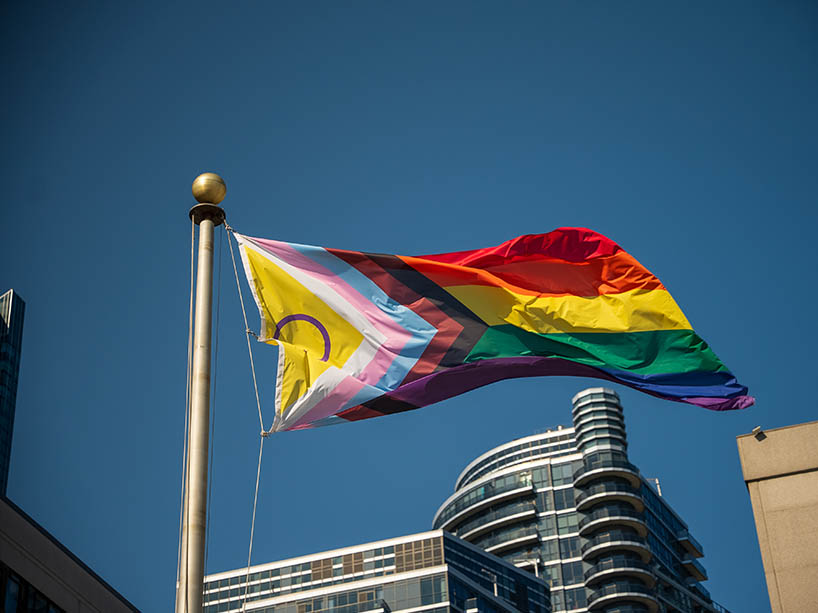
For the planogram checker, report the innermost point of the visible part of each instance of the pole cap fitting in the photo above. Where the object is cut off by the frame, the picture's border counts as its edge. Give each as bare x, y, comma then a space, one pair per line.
209, 188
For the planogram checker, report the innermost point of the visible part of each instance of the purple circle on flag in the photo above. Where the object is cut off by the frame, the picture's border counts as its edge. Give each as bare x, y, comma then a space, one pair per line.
309, 319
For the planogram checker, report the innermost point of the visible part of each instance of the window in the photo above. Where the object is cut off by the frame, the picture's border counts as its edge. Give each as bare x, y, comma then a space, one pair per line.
557, 600
547, 525
575, 598
12, 593
427, 591
550, 550
564, 499
540, 476
19, 594
544, 501
562, 474
552, 576
569, 547
572, 573
567, 523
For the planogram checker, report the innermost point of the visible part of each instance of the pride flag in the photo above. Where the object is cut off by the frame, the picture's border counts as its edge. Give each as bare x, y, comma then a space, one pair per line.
365, 334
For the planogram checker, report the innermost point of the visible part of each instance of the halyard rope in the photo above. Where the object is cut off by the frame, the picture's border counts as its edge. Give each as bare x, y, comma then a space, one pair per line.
252, 524
264, 433
247, 331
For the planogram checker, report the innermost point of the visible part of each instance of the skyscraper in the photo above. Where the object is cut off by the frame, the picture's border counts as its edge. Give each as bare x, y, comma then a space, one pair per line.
430, 572
37, 572
12, 310
567, 505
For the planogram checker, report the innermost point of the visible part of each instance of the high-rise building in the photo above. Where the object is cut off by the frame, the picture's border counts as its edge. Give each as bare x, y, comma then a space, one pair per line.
430, 572
37, 572
567, 505
12, 311
780, 469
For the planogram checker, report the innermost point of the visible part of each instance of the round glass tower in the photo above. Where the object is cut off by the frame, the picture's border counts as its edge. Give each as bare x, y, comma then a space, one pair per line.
567, 505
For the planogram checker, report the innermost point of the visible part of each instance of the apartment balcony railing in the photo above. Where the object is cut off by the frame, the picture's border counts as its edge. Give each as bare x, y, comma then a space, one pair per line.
618, 566
604, 468
691, 545
632, 591
618, 515
509, 540
459, 510
495, 519
694, 567
609, 491
616, 540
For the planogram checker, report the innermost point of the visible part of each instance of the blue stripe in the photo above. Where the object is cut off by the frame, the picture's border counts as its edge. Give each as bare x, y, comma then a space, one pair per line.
420, 330
683, 385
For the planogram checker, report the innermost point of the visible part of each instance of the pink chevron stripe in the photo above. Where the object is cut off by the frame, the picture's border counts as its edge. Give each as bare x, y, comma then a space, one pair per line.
396, 336
338, 397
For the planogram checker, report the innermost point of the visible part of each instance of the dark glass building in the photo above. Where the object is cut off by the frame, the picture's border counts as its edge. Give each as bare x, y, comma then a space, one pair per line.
431, 572
568, 506
12, 310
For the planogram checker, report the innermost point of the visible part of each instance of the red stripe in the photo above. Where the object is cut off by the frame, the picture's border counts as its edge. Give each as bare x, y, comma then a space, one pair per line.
607, 275
568, 244
447, 328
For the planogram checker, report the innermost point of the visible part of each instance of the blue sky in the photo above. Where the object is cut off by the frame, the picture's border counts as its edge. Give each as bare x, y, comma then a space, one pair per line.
685, 132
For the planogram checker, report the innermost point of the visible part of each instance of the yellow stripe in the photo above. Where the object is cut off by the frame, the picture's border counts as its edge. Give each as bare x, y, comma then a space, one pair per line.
634, 311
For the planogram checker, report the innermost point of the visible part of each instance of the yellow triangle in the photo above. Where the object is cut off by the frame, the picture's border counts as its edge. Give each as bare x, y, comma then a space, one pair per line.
280, 295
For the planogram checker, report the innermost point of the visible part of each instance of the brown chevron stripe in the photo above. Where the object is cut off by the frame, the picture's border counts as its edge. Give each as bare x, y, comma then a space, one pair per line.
458, 328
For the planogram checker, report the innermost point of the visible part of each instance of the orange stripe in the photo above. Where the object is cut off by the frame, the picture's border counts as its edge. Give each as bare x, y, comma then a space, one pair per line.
612, 274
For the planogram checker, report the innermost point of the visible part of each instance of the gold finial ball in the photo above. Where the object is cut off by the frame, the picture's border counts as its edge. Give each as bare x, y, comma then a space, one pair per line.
209, 187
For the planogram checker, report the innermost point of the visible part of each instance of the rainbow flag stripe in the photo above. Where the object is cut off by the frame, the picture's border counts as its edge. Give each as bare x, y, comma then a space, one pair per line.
364, 334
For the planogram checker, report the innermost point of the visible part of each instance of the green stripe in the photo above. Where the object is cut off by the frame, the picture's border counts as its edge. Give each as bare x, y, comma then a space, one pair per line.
644, 353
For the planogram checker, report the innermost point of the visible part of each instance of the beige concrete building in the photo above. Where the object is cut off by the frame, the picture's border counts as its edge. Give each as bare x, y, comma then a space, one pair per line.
38, 573
780, 469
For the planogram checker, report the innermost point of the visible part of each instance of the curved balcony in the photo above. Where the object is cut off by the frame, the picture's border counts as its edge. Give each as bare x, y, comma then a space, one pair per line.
610, 492
694, 568
600, 427
593, 412
511, 540
496, 519
608, 468
609, 517
618, 567
690, 544
629, 608
622, 591
599, 397
492, 496
613, 541
601, 439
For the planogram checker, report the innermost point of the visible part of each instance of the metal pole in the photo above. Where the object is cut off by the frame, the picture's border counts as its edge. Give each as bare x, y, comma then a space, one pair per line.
209, 190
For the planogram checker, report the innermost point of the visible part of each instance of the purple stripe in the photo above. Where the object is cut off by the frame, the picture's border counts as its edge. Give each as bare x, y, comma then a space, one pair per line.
720, 404
460, 379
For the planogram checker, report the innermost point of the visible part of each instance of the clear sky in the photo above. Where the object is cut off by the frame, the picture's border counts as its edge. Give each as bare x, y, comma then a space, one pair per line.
684, 131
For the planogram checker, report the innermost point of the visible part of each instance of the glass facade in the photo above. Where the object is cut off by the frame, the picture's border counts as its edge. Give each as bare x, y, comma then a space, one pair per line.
568, 506
431, 572
18, 596
12, 311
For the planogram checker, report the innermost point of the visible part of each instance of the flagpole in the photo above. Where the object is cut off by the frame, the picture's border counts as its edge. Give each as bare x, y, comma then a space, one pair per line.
209, 189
